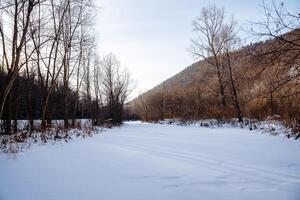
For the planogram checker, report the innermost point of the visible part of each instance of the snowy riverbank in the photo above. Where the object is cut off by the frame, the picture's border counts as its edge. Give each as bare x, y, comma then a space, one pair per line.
156, 161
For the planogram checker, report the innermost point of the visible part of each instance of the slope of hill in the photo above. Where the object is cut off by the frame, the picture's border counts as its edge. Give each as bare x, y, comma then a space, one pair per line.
266, 74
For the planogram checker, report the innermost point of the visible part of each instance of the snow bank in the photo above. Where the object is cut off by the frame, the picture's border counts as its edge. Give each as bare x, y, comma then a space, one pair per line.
15, 143
24, 124
271, 127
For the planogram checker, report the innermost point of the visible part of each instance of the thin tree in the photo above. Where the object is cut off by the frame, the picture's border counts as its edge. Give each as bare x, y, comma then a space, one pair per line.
231, 42
16, 42
208, 43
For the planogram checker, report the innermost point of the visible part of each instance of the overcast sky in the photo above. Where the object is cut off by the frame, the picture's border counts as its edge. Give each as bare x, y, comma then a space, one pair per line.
151, 37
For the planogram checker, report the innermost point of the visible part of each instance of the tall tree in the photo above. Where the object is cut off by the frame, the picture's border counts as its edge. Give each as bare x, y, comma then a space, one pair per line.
13, 38
231, 43
208, 42
117, 86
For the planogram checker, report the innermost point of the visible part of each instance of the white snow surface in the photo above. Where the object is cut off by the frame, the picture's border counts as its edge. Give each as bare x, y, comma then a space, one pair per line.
141, 161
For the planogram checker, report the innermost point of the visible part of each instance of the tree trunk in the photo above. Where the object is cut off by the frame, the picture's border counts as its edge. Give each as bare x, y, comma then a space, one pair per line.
7, 124
272, 107
234, 91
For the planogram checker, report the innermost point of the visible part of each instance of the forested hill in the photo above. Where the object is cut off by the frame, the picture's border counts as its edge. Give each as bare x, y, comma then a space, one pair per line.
266, 76
200, 70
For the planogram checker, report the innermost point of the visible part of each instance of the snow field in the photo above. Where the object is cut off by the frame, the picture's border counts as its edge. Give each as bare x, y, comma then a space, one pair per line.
141, 161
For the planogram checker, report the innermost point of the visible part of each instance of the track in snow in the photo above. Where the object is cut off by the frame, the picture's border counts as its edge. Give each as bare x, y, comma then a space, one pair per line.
150, 161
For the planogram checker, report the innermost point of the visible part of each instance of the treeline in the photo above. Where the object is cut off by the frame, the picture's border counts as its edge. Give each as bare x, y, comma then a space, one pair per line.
49, 67
230, 81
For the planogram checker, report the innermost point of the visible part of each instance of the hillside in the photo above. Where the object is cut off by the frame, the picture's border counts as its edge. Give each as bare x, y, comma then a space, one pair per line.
266, 75
200, 70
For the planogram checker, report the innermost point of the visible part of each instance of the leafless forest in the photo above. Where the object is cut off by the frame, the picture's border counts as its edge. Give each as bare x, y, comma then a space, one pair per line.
49, 67
234, 81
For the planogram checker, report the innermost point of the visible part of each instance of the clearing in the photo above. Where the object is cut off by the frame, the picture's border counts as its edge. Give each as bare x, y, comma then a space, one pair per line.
141, 161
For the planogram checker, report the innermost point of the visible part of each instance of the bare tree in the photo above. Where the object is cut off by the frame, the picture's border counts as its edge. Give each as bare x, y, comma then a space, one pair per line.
49, 61
97, 78
231, 43
209, 43
280, 63
116, 87
142, 107
54, 40
278, 20
76, 17
14, 39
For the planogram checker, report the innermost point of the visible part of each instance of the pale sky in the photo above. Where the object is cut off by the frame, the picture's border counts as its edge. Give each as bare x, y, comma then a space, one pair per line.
151, 37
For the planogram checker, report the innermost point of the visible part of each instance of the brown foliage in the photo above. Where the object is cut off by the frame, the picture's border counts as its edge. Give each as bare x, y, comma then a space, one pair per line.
267, 78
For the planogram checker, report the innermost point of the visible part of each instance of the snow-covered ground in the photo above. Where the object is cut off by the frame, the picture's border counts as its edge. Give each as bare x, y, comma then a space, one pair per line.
141, 161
